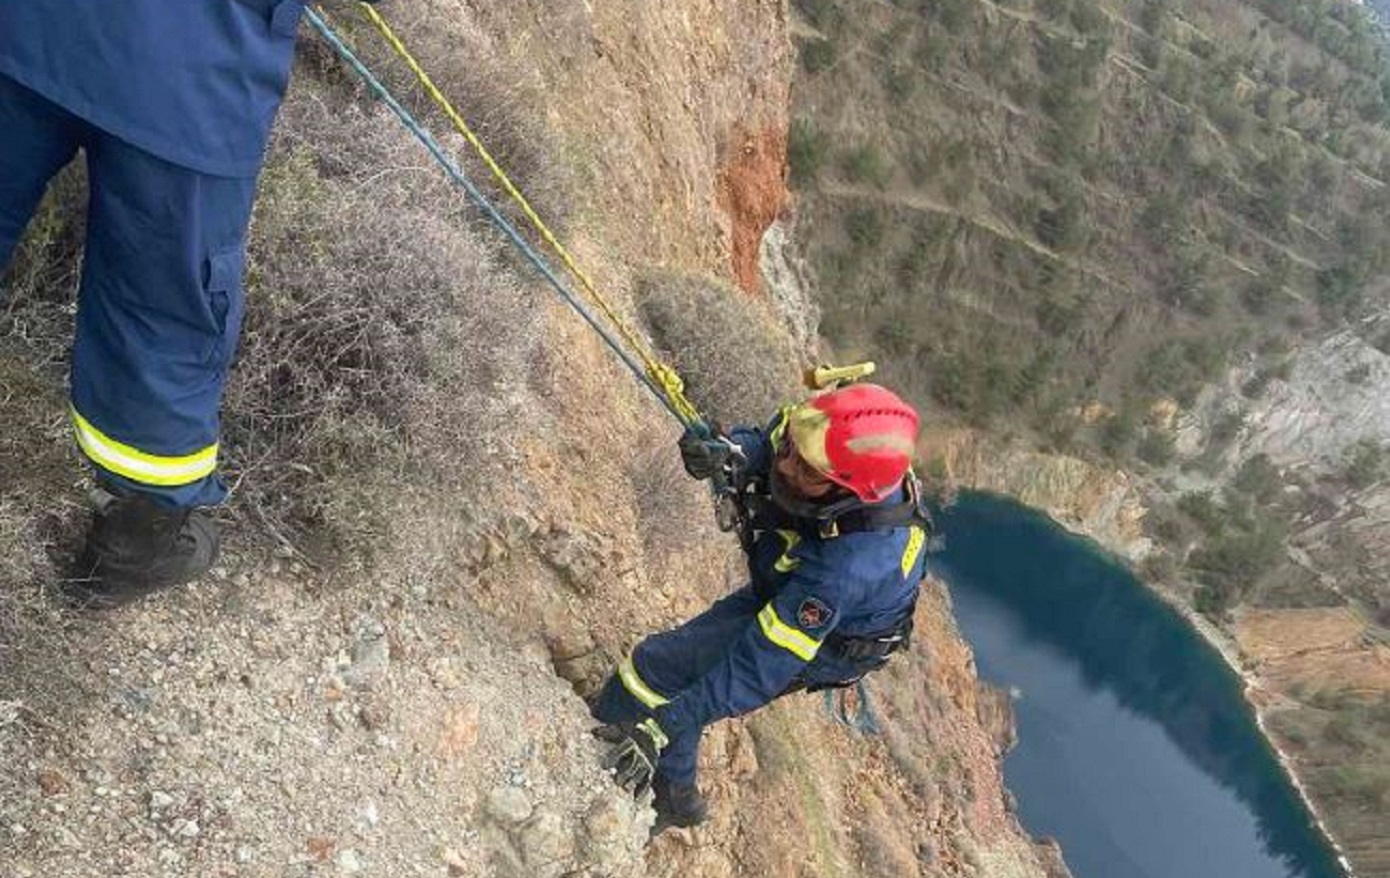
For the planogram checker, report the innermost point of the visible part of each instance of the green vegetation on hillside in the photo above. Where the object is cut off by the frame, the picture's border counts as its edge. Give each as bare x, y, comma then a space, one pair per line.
1026, 206
1056, 218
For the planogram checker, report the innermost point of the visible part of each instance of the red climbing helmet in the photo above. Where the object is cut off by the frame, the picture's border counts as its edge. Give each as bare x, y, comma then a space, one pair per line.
861, 437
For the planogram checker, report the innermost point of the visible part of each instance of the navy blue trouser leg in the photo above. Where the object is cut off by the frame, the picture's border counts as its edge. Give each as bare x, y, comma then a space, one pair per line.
38, 139
160, 304
160, 311
668, 662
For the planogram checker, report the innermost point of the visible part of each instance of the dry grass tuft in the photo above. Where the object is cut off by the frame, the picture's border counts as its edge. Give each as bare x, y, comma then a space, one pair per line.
738, 361
39, 287
42, 677
496, 98
662, 491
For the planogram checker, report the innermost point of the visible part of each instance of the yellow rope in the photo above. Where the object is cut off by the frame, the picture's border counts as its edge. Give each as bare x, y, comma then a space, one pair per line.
663, 375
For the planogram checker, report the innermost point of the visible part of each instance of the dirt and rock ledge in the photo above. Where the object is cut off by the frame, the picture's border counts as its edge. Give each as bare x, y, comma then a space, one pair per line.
402, 696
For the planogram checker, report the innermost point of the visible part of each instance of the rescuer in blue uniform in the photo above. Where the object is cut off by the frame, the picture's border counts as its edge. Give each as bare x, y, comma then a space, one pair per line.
172, 104
835, 534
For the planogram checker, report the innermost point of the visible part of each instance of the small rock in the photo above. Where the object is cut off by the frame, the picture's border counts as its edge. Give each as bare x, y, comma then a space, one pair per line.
160, 800
349, 862
442, 673
576, 557
374, 715
571, 644
320, 847
454, 861
245, 855
460, 732
546, 840
186, 829
509, 806
52, 782
342, 716
370, 660
368, 816
605, 823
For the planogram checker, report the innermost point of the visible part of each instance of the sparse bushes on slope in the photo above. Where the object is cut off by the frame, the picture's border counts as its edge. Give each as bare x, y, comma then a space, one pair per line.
806, 151
739, 363
817, 55
1365, 463
362, 367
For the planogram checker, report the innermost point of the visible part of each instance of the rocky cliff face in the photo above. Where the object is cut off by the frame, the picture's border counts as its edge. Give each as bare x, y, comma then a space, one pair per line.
1104, 504
1335, 396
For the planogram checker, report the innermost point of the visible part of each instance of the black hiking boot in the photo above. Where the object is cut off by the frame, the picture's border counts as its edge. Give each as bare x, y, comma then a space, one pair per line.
679, 805
136, 546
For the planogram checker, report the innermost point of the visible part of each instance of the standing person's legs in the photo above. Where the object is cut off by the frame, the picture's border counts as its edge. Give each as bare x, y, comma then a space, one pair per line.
157, 326
38, 139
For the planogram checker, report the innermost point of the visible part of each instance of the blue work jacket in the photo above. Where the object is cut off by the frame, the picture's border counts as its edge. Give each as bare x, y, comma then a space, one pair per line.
855, 584
194, 82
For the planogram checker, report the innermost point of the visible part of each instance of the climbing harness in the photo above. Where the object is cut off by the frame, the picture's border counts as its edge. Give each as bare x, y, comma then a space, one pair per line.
661, 379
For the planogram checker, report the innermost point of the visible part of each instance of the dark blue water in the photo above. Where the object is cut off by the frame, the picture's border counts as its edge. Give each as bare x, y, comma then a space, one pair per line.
1135, 748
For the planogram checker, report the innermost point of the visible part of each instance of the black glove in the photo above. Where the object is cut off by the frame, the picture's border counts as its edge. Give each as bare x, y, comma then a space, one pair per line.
632, 758
703, 451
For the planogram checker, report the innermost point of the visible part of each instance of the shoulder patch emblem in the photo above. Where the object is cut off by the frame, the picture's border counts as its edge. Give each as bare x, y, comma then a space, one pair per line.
813, 614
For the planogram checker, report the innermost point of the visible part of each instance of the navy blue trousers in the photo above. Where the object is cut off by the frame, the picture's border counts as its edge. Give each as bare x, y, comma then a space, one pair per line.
160, 302
671, 661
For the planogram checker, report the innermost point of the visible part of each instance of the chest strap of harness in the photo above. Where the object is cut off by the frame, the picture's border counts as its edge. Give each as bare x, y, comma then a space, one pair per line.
759, 513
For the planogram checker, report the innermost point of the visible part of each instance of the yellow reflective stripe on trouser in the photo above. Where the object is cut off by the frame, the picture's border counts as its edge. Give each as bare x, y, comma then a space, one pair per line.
140, 466
915, 540
632, 682
785, 636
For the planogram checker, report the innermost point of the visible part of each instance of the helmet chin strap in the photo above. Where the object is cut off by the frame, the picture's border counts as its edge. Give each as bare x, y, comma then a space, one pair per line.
802, 507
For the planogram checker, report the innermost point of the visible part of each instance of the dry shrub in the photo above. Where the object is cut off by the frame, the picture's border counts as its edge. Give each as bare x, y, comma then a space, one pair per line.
498, 100
39, 287
662, 492
41, 516
44, 687
380, 332
738, 362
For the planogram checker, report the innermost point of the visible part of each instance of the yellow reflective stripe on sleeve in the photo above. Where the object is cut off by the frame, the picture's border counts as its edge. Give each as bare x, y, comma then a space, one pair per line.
785, 636
915, 540
140, 466
632, 682
786, 563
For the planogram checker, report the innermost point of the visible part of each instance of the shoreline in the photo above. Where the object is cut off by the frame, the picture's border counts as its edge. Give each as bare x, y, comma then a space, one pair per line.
1224, 646
1110, 539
